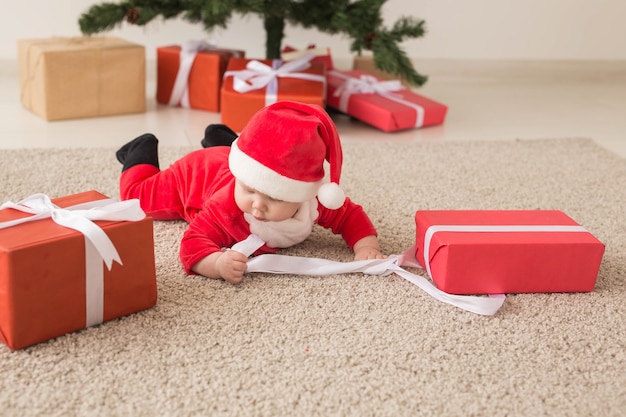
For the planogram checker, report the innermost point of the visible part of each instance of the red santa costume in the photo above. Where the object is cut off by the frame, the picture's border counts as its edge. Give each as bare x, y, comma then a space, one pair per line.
280, 153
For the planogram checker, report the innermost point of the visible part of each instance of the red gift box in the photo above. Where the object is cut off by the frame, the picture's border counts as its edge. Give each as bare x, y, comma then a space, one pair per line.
386, 105
250, 85
516, 251
53, 279
191, 76
320, 54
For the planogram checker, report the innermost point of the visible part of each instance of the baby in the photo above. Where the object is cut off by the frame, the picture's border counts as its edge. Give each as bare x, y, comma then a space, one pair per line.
270, 181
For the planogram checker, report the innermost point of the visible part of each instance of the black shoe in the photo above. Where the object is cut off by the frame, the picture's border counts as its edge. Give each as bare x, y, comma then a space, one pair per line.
141, 150
218, 135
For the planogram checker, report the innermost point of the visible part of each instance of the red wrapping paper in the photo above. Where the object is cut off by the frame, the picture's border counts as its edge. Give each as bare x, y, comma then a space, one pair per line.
238, 108
205, 77
43, 281
494, 262
381, 111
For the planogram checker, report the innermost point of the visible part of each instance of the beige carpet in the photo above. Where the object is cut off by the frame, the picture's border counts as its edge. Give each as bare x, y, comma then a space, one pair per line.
348, 345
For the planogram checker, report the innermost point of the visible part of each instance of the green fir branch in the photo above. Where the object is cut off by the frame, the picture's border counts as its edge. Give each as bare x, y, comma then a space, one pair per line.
101, 18
360, 20
390, 58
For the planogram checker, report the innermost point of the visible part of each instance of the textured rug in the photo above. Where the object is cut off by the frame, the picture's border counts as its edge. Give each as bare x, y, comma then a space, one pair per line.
350, 344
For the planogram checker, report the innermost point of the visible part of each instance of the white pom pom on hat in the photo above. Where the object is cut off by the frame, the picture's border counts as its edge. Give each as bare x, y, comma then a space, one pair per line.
281, 153
331, 195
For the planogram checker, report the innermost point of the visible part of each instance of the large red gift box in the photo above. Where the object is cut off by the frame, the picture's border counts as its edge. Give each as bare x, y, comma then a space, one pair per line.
53, 280
384, 104
514, 251
199, 73
250, 85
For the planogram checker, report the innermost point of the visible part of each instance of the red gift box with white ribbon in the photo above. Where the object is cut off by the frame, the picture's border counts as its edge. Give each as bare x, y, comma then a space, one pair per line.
384, 104
509, 251
72, 262
190, 75
250, 84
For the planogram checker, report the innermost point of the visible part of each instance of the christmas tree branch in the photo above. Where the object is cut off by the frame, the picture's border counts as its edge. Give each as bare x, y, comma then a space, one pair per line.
359, 19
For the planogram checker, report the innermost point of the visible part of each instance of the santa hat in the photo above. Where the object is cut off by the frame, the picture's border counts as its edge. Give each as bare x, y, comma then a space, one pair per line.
281, 153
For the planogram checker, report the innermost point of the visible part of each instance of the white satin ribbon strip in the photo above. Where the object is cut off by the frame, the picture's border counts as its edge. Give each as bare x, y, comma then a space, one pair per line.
94, 286
249, 245
180, 90
283, 264
258, 75
430, 232
98, 246
368, 84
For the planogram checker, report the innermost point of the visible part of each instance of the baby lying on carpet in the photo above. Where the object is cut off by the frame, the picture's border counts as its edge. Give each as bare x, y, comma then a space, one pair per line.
269, 181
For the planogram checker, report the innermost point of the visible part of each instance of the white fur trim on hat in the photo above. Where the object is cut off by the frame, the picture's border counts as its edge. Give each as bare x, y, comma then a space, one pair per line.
267, 181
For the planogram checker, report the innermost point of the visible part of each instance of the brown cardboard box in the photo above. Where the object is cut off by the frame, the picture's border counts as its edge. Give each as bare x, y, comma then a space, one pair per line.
67, 78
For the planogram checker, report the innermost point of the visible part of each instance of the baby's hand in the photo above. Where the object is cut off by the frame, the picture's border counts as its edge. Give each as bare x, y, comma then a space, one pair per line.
231, 266
368, 252
367, 248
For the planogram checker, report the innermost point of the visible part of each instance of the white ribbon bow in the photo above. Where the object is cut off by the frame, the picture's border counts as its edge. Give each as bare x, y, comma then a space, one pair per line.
368, 84
98, 246
283, 264
258, 75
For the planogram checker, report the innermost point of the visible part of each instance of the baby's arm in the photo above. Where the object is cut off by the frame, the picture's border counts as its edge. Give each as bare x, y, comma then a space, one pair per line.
367, 248
229, 265
356, 228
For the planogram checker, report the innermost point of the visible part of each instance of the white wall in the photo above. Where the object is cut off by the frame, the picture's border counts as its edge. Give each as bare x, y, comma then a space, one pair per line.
457, 29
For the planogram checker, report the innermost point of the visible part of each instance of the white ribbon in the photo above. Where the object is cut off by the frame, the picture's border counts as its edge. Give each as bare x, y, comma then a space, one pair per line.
368, 84
283, 264
258, 75
188, 52
98, 246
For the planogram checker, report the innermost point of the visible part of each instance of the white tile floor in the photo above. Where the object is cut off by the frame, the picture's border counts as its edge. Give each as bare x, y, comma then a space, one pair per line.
487, 100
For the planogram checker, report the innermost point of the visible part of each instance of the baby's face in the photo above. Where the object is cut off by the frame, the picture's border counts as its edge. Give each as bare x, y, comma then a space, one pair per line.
262, 206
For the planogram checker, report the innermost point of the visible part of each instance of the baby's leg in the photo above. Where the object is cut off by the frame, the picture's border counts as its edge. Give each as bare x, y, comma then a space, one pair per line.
142, 179
141, 150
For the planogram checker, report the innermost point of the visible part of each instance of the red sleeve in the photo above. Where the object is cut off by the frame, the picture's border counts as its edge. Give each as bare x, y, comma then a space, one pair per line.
220, 224
349, 220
